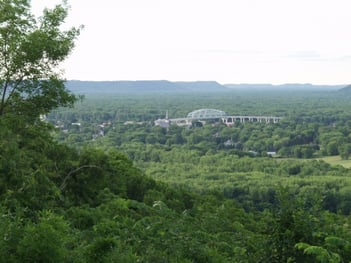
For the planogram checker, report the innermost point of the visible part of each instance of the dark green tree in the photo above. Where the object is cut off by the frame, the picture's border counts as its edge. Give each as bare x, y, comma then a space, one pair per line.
345, 150
45, 241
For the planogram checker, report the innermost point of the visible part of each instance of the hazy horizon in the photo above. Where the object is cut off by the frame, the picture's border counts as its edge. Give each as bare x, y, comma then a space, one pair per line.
230, 83
242, 41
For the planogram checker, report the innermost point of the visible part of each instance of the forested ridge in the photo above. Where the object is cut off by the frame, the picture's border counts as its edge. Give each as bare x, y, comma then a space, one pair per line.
99, 182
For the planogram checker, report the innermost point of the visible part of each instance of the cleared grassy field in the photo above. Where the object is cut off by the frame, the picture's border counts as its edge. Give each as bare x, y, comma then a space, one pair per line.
336, 160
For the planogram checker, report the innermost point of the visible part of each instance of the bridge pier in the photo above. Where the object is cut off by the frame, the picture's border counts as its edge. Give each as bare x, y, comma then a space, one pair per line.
230, 120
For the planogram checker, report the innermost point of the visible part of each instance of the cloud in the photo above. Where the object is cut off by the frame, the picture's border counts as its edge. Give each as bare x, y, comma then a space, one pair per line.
314, 56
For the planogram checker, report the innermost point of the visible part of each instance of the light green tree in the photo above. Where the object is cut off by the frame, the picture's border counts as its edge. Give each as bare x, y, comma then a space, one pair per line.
31, 50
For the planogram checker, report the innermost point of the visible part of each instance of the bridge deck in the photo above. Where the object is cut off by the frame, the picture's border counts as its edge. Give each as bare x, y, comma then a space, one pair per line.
230, 119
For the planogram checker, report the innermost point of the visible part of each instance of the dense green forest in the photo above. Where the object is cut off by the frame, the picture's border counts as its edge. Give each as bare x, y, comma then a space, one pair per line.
99, 182
230, 165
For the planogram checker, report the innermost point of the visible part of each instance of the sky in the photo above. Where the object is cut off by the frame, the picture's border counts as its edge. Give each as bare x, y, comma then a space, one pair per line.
229, 41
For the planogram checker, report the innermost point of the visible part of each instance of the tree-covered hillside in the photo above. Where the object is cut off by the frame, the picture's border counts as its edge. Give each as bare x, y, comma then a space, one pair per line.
64, 205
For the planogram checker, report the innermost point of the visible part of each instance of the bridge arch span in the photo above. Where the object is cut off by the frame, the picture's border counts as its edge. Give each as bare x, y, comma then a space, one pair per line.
206, 114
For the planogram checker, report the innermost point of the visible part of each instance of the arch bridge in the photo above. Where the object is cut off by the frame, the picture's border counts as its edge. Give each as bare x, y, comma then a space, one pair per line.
203, 115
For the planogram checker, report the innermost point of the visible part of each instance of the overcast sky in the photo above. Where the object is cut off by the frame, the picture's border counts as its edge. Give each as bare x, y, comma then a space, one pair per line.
230, 41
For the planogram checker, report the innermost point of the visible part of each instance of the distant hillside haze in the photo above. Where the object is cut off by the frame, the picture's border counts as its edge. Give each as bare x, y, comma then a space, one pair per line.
346, 89
150, 86
165, 86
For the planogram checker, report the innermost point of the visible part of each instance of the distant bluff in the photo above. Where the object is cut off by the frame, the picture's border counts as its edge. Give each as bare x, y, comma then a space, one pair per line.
346, 89
142, 86
165, 86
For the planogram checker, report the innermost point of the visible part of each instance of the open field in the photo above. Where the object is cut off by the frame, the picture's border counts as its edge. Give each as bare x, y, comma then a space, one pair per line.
336, 160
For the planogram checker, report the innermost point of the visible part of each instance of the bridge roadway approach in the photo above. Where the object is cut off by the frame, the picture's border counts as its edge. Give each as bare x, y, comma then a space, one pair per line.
227, 120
